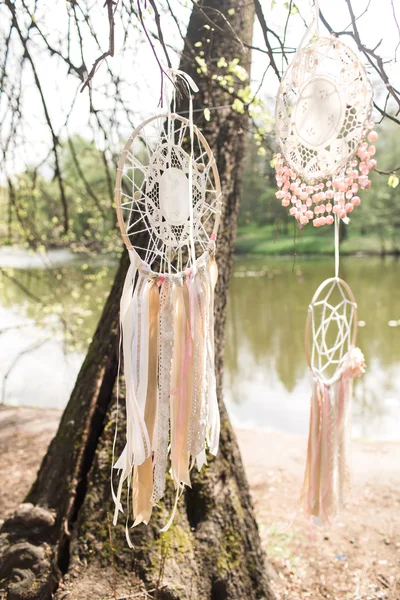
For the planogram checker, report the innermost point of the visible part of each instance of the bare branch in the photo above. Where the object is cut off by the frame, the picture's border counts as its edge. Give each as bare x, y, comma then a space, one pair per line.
81, 174
27, 350
111, 8
374, 59
390, 172
398, 28
54, 51
162, 71
55, 141
160, 33
265, 29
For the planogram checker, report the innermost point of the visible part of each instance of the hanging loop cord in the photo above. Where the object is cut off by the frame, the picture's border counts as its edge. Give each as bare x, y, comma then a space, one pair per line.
314, 23
337, 225
191, 87
316, 8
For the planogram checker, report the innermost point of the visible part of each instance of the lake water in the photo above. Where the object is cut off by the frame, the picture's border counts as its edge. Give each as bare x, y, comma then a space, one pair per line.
49, 308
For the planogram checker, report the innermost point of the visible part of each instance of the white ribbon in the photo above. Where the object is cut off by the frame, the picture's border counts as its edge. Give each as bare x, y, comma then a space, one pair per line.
214, 423
137, 447
314, 21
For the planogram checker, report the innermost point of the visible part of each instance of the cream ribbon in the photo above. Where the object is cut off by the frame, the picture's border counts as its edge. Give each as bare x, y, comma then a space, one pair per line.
137, 447
142, 485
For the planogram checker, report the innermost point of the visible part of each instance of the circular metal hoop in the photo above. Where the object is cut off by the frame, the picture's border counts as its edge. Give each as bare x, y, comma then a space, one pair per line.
323, 105
152, 194
343, 315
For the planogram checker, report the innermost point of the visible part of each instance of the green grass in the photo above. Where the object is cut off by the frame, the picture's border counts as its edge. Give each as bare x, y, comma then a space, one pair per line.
268, 240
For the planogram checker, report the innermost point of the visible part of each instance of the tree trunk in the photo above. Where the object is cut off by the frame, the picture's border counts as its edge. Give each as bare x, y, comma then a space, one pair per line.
61, 536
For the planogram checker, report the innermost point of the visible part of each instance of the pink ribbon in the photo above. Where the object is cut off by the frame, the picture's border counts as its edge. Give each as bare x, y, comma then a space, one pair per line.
316, 460
328, 441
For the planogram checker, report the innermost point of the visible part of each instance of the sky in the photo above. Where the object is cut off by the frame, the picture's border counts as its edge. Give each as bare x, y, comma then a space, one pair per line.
135, 61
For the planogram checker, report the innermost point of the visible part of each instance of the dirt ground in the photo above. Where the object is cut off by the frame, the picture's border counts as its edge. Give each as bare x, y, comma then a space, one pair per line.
358, 558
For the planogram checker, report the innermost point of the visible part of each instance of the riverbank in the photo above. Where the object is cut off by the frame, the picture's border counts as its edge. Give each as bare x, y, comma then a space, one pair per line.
358, 558
270, 240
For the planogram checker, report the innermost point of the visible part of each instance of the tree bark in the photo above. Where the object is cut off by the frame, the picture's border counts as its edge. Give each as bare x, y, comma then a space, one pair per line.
61, 536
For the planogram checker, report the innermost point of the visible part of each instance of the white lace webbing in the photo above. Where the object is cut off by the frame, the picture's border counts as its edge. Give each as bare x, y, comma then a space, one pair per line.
164, 385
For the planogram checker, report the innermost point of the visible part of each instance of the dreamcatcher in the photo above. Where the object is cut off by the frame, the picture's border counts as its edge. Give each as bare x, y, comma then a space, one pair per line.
324, 132
326, 141
334, 361
168, 200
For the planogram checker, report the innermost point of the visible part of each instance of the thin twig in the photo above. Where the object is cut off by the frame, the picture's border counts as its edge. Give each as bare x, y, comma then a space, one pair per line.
20, 285
55, 141
15, 362
12, 327
160, 33
162, 71
374, 59
81, 174
111, 8
390, 172
398, 28
263, 23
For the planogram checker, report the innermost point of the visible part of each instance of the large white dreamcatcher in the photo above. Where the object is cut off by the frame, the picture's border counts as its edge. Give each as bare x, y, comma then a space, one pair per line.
326, 148
152, 194
323, 129
168, 201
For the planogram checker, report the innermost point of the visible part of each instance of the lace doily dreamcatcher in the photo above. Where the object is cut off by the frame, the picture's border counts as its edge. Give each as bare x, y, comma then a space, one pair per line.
324, 133
168, 200
326, 142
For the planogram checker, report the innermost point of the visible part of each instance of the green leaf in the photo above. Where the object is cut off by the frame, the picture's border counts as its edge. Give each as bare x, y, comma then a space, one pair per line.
393, 181
201, 64
238, 106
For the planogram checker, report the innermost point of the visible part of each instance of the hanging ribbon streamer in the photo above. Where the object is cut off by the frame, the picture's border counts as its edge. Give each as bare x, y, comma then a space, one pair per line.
167, 315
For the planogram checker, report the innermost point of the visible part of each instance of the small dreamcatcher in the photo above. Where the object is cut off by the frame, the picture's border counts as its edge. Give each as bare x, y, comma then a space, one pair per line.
324, 131
168, 200
334, 361
326, 142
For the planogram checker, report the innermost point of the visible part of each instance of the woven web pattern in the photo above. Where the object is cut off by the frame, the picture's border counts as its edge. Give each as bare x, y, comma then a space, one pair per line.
332, 324
155, 194
322, 107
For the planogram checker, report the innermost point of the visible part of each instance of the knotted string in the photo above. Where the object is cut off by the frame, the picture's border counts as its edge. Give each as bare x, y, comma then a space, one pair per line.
337, 225
191, 87
314, 22
316, 8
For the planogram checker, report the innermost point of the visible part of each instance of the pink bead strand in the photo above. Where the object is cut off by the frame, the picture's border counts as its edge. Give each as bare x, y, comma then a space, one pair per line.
318, 202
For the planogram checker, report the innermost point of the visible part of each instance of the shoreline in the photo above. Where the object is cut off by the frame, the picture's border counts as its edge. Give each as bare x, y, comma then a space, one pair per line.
243, 249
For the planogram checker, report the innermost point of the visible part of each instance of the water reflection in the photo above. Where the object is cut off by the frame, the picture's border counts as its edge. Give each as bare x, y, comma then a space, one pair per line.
49, 309
52, 312
266, 378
